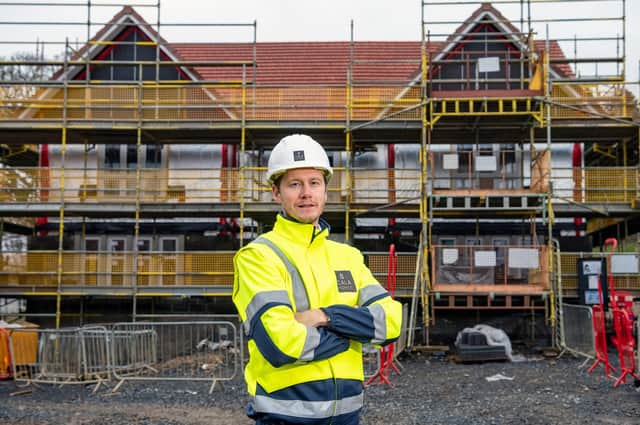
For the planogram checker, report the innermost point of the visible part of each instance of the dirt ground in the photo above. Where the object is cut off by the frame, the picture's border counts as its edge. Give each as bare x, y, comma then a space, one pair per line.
430, 390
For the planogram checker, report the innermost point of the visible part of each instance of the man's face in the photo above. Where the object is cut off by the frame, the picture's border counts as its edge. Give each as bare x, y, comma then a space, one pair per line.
302, 194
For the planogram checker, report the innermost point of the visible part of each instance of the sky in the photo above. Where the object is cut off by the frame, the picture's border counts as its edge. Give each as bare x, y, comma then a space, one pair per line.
329, 20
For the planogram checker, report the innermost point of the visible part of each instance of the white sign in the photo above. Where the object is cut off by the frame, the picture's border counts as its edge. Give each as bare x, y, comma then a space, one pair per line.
12, 306
486, 163
485, 258
450, 161
523, 258
489, 64
591, 267
592, 297
624, 263
593, 281
449, 255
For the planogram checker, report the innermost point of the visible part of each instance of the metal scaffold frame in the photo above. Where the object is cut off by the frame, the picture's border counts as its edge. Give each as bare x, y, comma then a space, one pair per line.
427, 110
541, 116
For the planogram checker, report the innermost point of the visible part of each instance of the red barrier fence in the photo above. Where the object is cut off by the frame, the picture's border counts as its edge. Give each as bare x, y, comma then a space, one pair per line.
387, 353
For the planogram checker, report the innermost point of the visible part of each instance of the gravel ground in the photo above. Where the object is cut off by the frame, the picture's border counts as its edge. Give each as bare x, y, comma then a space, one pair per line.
431, 390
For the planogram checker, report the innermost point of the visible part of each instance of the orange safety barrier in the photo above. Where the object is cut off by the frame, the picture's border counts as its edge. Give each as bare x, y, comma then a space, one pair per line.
5, 355
25, 349
387, 352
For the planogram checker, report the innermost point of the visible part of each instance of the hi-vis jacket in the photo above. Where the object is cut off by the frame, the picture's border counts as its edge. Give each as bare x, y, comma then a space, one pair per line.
300, 373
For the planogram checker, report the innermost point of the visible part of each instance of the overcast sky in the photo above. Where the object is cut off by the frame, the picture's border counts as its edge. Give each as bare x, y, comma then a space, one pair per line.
329, 20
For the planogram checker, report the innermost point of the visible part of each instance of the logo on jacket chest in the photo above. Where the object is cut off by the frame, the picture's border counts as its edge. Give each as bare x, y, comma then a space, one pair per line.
345, 281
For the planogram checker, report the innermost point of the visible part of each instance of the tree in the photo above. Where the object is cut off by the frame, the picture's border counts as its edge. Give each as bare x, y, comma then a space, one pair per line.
18, 79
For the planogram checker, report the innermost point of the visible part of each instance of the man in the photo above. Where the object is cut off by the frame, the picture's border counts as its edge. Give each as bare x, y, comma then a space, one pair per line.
307, 303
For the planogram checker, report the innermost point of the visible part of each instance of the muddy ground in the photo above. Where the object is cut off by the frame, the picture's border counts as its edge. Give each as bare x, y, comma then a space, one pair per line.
431, 390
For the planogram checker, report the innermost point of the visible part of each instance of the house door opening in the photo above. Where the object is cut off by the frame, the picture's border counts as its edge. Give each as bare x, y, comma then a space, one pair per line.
118, 273
170, 273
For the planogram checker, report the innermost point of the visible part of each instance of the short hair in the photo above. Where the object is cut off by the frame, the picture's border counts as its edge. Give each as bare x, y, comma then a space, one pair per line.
278, 179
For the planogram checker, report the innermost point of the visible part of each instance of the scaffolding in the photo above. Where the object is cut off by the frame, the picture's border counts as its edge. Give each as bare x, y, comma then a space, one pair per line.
483, 93
476, 78
95, 86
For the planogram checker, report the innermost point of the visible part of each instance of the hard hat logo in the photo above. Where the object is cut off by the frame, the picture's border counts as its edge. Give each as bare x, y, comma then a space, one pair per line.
297, 151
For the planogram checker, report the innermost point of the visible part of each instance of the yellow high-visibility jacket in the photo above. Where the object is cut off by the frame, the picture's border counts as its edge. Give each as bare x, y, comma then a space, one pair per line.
295, 268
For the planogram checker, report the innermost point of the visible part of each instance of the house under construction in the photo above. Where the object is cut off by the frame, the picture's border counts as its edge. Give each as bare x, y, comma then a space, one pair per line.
492, 153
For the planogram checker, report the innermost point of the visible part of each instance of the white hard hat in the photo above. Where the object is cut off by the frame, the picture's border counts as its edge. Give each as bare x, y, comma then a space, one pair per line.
297, 151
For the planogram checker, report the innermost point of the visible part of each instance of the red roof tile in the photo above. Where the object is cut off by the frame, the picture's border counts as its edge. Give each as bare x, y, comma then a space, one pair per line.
309, 62
322, 62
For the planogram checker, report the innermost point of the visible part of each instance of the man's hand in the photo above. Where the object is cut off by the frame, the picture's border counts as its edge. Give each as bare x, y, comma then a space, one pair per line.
315, 318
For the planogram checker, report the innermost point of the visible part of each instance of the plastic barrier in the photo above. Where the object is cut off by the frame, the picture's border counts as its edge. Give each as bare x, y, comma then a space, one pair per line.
6, 371
25, 356
600, 333
622, 310
387, 353
623, 324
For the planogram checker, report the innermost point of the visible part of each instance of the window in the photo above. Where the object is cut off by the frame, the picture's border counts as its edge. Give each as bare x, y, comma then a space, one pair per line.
473, 241
154, 156
508, 153
447, 241
168, 245
132, 156
112, 156
144, 244
485, 150
116, 156
92, 244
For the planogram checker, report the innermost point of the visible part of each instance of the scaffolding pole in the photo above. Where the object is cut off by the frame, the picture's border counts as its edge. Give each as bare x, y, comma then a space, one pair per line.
425, 211
549, 206
62, 202
136, 234
243, 136
348, 136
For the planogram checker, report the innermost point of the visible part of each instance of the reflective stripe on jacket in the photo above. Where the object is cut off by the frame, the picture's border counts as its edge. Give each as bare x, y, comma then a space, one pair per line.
318, 368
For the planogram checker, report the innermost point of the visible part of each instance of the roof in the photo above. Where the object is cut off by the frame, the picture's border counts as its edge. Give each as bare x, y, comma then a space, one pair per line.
308, 62
328, 62
322, 62
294, 63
